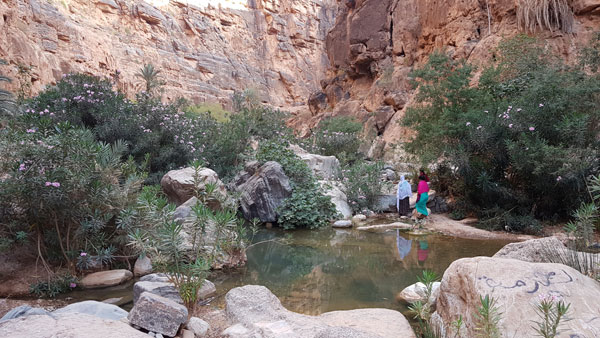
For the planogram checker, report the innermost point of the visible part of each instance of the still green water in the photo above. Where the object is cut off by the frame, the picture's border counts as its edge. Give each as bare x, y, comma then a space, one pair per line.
316, 271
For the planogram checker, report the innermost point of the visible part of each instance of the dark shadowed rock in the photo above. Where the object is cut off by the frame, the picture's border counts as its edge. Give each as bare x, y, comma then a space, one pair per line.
263, 192
317, 102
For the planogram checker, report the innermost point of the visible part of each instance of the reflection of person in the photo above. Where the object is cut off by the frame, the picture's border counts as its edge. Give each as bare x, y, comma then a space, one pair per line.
403, 197
403, 245
422, 196
422, 252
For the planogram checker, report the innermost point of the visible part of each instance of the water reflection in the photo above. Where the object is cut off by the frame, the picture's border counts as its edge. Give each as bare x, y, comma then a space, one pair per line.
327, 270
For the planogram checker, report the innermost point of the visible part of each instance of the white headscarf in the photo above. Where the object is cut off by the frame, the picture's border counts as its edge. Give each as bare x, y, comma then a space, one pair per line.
404, 191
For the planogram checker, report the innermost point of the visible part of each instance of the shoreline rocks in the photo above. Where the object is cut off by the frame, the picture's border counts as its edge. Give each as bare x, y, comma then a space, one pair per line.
257, 312
105, 278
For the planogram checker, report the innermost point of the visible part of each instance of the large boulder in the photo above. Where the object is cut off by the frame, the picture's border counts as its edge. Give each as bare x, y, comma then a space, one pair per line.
67, 325
158, 314
105, 278
258, 312
418, 293
262, 190
181, 185
338, 198
160, 285
94, 308
518, 287
323, 167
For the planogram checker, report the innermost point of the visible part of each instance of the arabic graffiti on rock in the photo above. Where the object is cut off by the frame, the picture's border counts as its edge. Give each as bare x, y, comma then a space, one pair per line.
531, 283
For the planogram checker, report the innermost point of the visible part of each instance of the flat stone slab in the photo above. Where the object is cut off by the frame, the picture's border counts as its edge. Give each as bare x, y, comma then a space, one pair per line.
105, 278
395, 225
67, 325
342, 224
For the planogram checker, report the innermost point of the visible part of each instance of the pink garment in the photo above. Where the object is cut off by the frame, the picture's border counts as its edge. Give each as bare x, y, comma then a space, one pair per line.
423, 187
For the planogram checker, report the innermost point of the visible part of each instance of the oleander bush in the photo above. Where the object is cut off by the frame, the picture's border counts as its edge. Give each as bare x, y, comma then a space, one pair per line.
523, 139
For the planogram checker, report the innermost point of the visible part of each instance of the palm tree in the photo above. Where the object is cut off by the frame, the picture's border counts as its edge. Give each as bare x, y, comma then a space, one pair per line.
151, 78
8, 104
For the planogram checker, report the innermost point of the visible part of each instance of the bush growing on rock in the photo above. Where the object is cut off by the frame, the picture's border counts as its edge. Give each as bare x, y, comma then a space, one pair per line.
523, 139
363, 184
337, 136
308, 207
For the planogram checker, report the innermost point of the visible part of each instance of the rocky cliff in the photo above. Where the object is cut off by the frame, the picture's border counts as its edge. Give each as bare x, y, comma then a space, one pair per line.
205, 49
375, 43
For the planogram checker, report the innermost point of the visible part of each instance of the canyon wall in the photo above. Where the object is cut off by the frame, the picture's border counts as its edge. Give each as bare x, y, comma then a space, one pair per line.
205, 49
375, 44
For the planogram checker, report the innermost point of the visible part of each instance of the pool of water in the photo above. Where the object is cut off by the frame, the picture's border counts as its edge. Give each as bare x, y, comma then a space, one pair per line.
316, 271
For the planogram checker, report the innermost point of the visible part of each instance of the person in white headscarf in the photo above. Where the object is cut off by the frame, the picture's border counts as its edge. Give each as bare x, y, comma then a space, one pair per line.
403, 197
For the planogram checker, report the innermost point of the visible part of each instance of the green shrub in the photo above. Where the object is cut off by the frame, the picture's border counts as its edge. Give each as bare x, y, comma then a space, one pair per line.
363, 184
65, 189
337, 136
148, 127
522, 139
307, 207
53, 286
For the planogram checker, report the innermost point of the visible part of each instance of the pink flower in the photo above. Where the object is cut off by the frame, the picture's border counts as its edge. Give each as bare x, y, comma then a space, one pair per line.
56, 184
72, 285
510, 125
468, 124
479, 127
48, 184
22, 167
83, 254
30, 131
558, 179
541, 105
531, 128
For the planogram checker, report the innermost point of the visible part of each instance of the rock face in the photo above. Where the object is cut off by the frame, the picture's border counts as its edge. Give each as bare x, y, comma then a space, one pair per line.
205, 49
179, 185
158, 314
534, 250
67, 325
374, 44
518, 287
262, 190
98, 309
260, 314
105, 278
